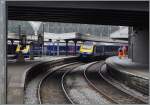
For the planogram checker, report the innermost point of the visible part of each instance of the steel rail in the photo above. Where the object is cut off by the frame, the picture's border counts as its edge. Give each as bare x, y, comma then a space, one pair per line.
124, 90
93, 86
46, 75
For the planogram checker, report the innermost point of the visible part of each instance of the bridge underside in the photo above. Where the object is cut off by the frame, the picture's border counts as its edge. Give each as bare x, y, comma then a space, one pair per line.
119, 13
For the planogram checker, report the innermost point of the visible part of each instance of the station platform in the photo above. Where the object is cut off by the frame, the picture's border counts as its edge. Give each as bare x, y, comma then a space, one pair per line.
134, 75
127, 66
16, 76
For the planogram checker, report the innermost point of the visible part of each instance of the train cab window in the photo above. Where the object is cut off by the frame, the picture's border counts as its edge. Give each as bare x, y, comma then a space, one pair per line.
87, 45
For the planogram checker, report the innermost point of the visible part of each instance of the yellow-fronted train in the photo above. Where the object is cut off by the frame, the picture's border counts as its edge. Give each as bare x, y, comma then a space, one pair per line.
98, 50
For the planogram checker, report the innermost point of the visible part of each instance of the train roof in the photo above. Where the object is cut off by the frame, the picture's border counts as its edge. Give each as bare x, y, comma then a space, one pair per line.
112, 44
105, 43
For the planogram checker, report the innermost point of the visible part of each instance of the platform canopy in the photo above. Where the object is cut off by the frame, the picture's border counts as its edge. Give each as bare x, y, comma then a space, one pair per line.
62, 36
72, 36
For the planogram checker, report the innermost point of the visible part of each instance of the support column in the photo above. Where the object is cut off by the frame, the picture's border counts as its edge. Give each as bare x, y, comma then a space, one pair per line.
12, 44
43, 53
103, 50
140, 45
49, 48
53, 48
75, 44
66, 47
31, 51
57, 47
130, 33
3, 73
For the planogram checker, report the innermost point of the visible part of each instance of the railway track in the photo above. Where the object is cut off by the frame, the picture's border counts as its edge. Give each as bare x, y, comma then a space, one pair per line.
50, 90
110, 92
106, 76
78, 90
76, 83
31, 87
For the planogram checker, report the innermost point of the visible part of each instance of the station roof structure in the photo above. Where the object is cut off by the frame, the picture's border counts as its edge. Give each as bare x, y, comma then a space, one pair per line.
121, 34
73, 36
125, 13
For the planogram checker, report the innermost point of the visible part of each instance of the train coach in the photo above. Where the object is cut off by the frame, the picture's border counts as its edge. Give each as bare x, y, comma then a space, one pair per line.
36, 50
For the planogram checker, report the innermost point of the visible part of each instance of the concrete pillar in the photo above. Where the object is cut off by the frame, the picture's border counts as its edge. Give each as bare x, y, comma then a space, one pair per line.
75, 44
43, 40
12, 48
57, 47
66, 47
31, 51
140, 45
50, 41
53, 48
130, 32
3, 75
19, 31
103, 50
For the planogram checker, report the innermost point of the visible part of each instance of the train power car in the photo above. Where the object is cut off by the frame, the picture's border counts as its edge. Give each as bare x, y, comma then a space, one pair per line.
87, 50
93, 50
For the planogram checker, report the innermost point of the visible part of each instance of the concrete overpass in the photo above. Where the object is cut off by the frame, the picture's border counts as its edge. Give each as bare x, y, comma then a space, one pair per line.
126, 13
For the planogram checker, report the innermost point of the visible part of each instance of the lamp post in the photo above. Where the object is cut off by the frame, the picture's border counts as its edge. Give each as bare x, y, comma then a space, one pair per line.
43, 39
58, 40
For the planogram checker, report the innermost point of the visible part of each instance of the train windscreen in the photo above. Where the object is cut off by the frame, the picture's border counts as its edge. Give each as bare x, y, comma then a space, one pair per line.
87, 45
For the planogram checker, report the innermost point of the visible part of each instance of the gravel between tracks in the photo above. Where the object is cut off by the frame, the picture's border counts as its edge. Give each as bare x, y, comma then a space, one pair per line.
79, 90
51, 90
76, 87
30, 94
107, 89
103, 72
31, 90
